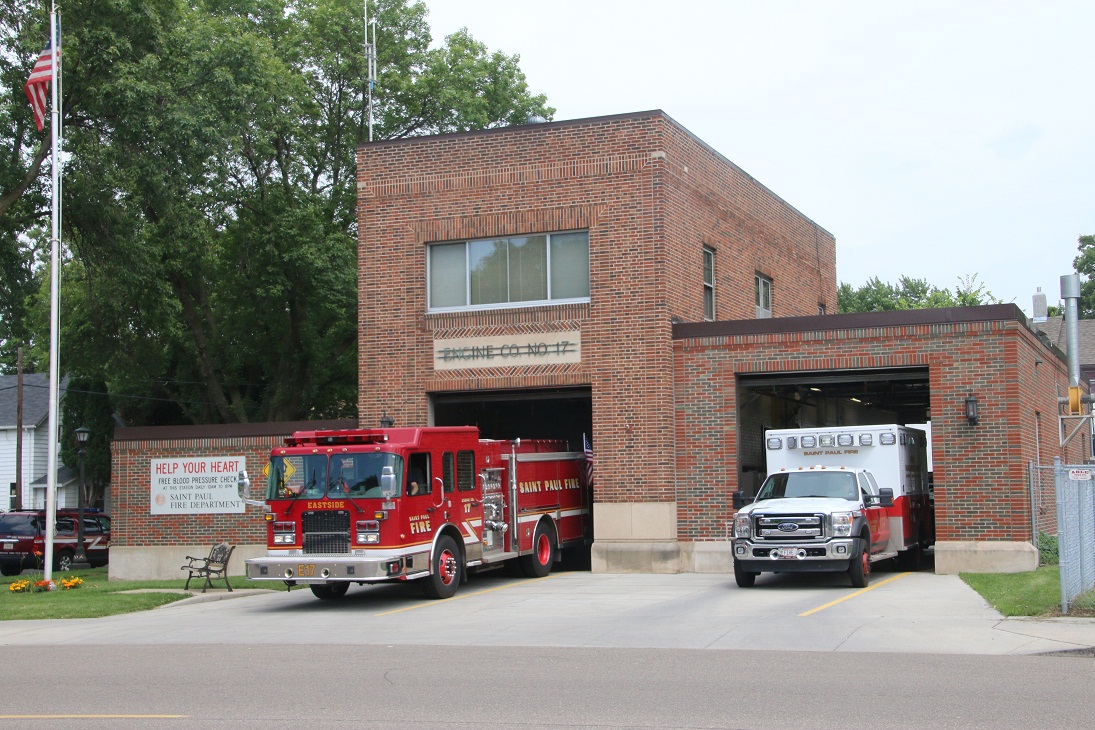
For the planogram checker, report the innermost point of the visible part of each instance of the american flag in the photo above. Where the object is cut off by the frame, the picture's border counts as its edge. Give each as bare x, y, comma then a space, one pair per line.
589, 459
37, 85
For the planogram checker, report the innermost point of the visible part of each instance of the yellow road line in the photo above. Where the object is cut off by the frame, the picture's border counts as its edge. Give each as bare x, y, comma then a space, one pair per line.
853, 595
93, 717
426, 604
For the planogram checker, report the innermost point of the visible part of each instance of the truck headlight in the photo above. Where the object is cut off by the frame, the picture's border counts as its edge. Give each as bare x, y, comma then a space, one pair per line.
842, 524
742, 526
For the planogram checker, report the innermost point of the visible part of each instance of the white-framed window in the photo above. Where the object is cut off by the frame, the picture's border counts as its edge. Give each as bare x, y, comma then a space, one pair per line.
763, 291
550, 268
708, 283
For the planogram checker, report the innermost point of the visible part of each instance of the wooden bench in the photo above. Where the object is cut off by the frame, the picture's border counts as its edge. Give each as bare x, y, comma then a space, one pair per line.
214, 565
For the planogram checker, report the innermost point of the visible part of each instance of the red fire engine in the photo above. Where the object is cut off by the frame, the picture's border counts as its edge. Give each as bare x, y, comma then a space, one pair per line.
428, 504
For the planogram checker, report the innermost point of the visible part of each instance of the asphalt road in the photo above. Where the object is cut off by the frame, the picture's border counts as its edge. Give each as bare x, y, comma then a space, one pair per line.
571, 650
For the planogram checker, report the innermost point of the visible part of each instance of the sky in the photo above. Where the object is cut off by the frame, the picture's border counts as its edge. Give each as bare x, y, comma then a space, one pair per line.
936, 139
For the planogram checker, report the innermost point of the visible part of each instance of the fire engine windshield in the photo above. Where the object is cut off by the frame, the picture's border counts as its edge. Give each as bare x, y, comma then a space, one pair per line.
313, 476
837, 485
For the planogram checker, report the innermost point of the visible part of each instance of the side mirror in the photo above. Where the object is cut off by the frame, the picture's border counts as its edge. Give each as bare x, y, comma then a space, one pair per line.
740, 500
388, 487
243, 488
886, 497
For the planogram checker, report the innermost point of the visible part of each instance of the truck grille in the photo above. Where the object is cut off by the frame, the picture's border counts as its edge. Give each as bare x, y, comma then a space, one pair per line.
326, 532
779, 527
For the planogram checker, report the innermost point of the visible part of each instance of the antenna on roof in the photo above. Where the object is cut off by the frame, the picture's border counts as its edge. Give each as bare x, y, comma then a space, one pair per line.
370, 59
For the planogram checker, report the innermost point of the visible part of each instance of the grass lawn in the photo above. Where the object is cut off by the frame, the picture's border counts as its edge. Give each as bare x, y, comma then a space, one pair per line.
98, 596
1037, 593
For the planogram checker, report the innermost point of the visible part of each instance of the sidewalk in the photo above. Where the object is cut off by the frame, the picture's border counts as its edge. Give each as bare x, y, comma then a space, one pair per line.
900, 613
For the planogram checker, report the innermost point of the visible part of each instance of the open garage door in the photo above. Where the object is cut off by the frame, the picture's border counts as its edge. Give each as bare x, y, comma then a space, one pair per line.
560, 413
823, 398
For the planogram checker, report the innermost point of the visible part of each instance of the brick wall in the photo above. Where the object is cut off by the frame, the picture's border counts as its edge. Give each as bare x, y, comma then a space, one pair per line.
981, 482
132, 452
651, 196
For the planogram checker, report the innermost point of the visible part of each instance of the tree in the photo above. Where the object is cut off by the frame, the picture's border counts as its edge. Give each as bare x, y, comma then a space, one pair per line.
86, 405
210, 193
879, 296
1084, 264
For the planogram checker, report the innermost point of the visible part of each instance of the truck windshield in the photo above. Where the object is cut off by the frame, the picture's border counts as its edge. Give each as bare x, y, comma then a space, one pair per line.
313, 476
838, 485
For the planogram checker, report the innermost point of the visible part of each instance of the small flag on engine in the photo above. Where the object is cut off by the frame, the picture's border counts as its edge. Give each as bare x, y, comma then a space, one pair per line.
589, 460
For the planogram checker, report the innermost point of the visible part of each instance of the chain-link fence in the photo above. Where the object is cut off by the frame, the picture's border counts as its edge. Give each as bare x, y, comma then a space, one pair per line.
1062, 501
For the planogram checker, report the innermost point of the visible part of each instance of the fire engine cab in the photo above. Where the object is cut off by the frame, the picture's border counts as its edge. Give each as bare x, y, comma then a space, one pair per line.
428, 504
836, 499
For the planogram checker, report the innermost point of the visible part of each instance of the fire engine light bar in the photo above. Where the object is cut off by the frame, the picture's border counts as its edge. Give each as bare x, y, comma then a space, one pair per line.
792, 442
809, 442
845, 439
866, 439
828, 440
775, 443
887, 439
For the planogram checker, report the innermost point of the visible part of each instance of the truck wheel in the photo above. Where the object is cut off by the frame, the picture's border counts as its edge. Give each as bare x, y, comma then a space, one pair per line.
62, 562
859, 569
744, 578
537, 564
331, 591
445, 570
10, 569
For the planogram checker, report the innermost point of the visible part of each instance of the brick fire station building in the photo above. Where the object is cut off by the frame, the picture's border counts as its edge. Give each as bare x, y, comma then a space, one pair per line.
615, 278
618, 277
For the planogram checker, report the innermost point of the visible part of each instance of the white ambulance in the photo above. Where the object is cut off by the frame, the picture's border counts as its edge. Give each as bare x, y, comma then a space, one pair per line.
836, 499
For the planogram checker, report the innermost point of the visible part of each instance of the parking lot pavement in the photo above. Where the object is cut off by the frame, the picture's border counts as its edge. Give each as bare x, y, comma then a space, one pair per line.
899, 612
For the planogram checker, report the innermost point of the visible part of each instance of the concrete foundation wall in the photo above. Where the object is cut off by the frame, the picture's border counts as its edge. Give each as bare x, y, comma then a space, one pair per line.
968, 556
164, 562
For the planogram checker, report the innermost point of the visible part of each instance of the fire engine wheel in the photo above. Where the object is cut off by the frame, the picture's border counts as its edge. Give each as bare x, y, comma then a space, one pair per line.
446, 569
63, 561
329, 591
859, 569
537, 564
744, 578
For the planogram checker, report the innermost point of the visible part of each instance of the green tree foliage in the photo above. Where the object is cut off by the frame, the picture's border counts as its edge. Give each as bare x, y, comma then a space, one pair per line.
1084, 264
879, 296
209, 193
86, 405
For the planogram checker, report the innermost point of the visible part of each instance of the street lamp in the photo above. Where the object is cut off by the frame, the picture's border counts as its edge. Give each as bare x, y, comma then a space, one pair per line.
79, 561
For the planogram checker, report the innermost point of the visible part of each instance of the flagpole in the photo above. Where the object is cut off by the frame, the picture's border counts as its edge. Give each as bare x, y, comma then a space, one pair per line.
54, 303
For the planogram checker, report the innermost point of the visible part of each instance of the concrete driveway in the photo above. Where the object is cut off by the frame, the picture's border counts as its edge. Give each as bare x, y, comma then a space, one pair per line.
899, 612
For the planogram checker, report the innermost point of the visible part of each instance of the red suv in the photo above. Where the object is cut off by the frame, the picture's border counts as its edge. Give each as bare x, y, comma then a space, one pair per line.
22, 545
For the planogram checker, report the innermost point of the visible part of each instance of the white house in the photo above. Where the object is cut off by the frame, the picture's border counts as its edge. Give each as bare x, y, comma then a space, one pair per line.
35, 427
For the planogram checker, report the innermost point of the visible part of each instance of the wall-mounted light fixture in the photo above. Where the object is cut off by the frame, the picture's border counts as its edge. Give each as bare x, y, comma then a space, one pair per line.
386, 421
972, 414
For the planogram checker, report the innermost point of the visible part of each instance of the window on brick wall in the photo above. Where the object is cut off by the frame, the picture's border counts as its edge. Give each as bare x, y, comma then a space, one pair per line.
763, 291
512, 271
708, 283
